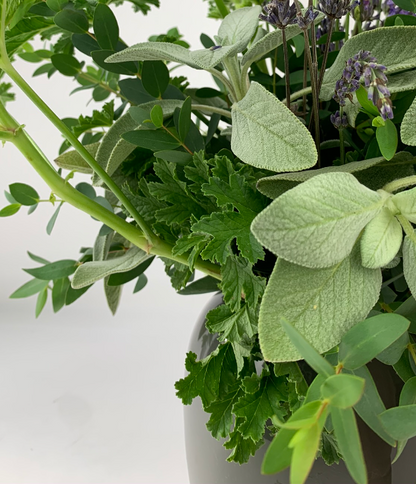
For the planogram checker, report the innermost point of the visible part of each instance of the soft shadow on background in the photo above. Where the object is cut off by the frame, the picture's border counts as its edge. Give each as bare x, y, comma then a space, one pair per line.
87, 398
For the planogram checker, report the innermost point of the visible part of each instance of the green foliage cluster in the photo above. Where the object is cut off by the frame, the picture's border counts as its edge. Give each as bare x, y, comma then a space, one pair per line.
308, 233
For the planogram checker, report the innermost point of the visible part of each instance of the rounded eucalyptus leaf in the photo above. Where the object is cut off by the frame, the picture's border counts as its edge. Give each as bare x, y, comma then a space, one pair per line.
343, 391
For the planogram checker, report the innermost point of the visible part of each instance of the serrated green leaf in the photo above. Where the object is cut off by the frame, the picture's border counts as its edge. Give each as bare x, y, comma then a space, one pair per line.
209, 378
346, 432
309, 299
308, 352
75, 21
256, 408
367, 339
155, 77
221, 418
343, 391
305, 224
239, 281
59, 291
10, 210
54, 270
242, 448
41, 301
408, 127
91, 272
29, 289
267, 135
381, 240
105, 27
391, 47
24, 194
163, 51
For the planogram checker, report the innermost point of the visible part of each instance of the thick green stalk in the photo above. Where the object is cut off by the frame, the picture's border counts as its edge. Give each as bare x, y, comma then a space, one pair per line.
223, 9
66, 192
400, 183
72, 139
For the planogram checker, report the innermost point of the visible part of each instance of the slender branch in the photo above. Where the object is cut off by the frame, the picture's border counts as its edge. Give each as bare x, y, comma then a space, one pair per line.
223, 9
300, 93
326, 53
211, 109
177, 139
287, 70
69, 194
341, 138
225, 81
105, 86
72, 139
400, 183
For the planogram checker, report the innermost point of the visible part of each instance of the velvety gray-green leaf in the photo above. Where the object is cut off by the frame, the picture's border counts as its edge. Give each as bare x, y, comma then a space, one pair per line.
409, 261
305, 224
408, 127
164, 51
73, 161
322, 304
267, 135
392, 47
90, 272
239, 26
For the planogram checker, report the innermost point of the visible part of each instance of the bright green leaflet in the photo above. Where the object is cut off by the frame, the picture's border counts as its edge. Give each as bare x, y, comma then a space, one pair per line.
343, 391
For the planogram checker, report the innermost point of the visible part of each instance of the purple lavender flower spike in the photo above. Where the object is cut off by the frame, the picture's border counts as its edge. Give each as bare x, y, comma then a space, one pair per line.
336, 9
339, 121
279, 13
390, 9
365, 65
304, 21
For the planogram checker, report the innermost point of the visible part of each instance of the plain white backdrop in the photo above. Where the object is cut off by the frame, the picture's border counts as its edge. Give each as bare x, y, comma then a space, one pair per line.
88, 398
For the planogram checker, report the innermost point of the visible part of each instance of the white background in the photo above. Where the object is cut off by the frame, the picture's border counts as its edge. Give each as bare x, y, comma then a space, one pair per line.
86, 397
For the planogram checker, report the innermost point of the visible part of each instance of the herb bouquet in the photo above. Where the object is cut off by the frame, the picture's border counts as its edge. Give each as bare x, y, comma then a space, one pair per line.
289, 187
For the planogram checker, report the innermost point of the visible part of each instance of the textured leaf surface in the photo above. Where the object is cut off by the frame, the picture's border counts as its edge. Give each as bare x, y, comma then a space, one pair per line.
93, 271
239, 26
305, 224
392, 47
321, 304
406, 203
381, 240
73, 161
408, 128
267, 135
221, 419
164, 51
409, 262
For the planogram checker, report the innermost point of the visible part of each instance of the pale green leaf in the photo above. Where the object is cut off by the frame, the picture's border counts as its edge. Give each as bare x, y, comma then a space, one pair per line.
406, 203
306, 223
304, 453
239, 26
346, 433
408, 127
41, 301
343, 391
164, 51
267, 135
381, 240
90, 272
73, 161
208, 59
112, 295
29, 289
409, 261
392, 47
321, 304
370, 337
276, 185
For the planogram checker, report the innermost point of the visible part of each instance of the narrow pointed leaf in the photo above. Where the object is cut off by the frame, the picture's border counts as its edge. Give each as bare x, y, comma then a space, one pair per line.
54, 270
41, 301
29, 289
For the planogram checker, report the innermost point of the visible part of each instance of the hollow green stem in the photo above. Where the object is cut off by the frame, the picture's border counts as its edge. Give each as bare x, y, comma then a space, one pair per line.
223, 9
67, 193
72, 139
400, 183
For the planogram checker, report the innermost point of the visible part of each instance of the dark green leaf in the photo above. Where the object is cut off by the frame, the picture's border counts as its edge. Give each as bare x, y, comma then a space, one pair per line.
73, 294
387, 139
52, 221
367, 339
124, 277
56, 5
392, 354
241, 448
184, 119
75, 21
312, 357
66, 64
59, 292
29, 289
335, 36
85, 43
408, 393
343, 391
87, 190
403, 367
155, 77
127, 68
54, 270
140, 284
36, 258
24, 194
100, 94
179, 157
408, 5
346, 432
105, 27
221, 419
159, 140
10, 210
201, 286
41, 301
134, 91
